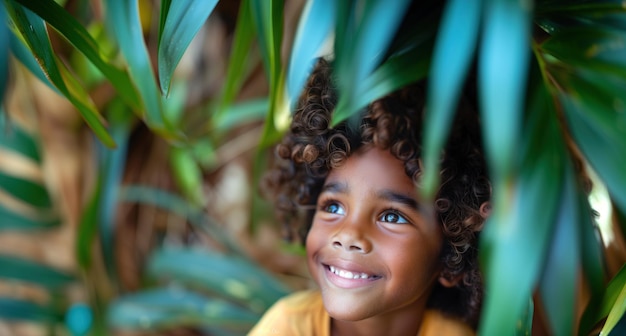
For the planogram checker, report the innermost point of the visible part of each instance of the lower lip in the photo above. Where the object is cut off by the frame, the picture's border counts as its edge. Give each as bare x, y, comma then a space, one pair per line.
347, 283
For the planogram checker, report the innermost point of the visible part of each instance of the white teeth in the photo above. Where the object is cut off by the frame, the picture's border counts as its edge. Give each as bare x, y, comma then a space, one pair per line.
348, 274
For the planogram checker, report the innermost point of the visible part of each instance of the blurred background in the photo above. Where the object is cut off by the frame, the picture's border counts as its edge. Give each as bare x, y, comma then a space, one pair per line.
134, 134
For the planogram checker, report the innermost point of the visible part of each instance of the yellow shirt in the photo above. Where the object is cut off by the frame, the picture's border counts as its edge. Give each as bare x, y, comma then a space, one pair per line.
303, 314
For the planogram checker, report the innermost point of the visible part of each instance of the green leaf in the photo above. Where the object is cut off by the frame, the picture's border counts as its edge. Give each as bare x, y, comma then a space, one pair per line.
597, 121
502, 75
168, 307
31, 192
180, 207
23, 54
187, 174
238, 62
240, 113
88, 227
600, 306
593, 49
316, 22
371, 32
33, 30
12, 220
4, 53
184, 19
17, 268
22, 310
14, 138
123, 20
454, 51
231, 277
513, 249
558, 285
268, 18
616, 313
111, 172
79, 37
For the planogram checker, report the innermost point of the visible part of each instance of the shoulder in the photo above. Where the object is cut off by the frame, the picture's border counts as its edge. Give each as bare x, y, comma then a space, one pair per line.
301, 313
436, 323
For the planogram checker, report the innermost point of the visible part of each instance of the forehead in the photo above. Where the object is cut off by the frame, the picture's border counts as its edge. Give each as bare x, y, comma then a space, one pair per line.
373, 168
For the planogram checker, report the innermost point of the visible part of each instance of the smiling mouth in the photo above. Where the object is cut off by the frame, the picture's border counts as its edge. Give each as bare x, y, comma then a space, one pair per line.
351, 275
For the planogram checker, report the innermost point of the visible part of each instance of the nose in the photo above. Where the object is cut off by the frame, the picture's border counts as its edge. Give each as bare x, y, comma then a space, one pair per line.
352, 237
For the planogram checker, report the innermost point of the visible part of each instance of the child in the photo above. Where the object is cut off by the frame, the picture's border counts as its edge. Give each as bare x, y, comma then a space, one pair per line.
384, 262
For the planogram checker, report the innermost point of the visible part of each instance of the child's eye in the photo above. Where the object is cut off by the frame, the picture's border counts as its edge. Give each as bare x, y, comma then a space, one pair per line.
392, 216
334, 208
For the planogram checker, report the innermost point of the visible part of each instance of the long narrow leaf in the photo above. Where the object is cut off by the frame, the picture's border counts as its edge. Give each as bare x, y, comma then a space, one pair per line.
558, 283
123, 20
4, 53
315, 25
23, 54
164, 307
17, 268
503, 66
375, 30
12, 220
78, 36
22, 310
268, 17
30, 192
228, 276
184, 19
616, 314
513, 249
454, 50
33, 30
600, 307
597, 126
17, 140
238, 60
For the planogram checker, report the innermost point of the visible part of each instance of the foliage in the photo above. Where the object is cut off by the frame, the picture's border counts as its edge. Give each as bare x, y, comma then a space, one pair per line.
549, 74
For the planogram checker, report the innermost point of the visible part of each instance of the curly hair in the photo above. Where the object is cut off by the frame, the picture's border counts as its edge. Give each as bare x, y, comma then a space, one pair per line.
311, 149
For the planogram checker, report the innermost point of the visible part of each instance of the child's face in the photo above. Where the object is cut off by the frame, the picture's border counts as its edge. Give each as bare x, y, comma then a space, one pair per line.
370, 249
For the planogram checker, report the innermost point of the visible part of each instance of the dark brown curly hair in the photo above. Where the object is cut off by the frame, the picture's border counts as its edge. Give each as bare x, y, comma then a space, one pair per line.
312, 148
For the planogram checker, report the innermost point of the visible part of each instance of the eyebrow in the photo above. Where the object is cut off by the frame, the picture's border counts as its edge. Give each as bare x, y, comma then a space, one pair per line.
336, 188
392, 196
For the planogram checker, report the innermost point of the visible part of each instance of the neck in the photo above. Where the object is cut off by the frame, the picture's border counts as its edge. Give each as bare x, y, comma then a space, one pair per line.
401, 323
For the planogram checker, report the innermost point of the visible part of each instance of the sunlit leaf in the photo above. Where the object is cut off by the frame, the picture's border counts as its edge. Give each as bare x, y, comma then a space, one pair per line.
33, 30
229, 276
454, 51
14, 138
314, 27
184, 19
79, 37
20, 269
22, 310
164, 307
600, 307
617, 312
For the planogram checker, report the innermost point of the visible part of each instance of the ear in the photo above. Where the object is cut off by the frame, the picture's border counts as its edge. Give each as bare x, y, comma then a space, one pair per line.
448, 281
